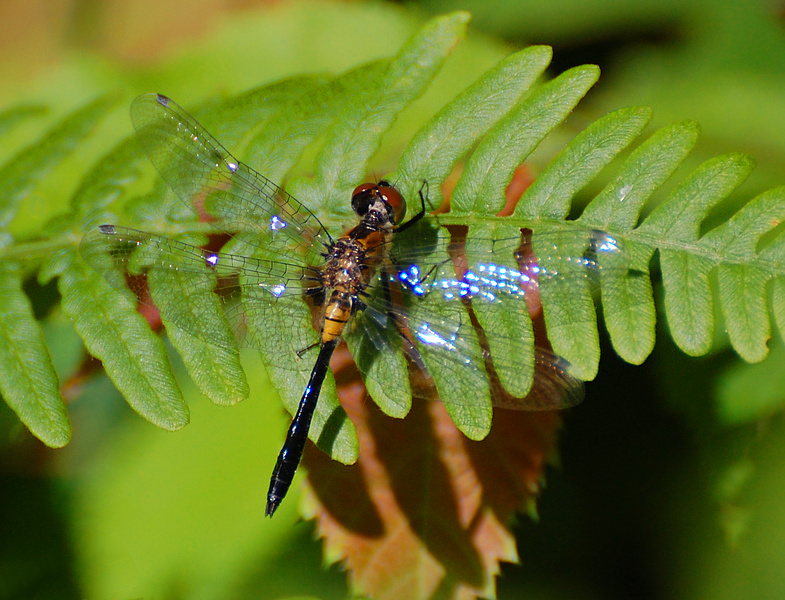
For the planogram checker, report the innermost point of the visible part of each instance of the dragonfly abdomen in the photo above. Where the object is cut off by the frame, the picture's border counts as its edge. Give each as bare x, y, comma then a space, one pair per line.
336, 314
347, 272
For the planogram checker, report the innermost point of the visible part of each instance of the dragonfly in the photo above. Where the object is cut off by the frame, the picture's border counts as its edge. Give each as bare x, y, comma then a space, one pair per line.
394, 287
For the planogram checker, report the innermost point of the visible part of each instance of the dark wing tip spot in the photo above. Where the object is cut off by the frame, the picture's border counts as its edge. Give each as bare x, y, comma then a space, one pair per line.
107, 229
162, 100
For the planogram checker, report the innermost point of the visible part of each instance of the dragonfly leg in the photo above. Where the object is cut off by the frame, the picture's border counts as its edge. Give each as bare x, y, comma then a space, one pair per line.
419, 215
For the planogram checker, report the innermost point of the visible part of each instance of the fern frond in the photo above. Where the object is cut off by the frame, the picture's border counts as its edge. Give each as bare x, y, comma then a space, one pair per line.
503, 118
489, 169
27, 378
134, 357
445, 139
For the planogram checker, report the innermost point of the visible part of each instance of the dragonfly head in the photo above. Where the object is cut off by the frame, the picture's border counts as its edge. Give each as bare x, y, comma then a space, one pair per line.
377, 197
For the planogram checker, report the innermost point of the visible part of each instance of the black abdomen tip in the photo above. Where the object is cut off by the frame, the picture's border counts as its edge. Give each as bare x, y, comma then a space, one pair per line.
272, 505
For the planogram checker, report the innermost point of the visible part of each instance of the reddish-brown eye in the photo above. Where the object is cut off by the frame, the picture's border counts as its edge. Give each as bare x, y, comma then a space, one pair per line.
363, 187
395, 200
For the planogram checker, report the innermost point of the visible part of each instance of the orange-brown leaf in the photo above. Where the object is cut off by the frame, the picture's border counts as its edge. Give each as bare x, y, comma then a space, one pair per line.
424, 511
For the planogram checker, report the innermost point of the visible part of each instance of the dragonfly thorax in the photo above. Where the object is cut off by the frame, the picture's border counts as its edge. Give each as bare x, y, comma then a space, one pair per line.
349, 265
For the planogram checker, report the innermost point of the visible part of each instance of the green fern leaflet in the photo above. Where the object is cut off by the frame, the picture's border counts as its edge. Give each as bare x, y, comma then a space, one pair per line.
490, 129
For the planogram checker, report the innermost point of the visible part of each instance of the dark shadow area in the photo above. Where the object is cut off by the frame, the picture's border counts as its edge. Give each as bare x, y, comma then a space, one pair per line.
602, 513
42, 297
35, 554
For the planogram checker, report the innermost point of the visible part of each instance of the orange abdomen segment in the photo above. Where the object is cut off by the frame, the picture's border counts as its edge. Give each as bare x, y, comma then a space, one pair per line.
336, 314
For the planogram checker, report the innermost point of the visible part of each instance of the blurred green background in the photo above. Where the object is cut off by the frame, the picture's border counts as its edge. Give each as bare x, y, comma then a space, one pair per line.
672, 473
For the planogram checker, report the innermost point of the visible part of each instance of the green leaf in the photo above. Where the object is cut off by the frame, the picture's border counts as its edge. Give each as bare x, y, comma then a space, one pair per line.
356, 136
214, 367
133, 356
741, 278
23, 172
628, 306
513, 138
332, 127
679, 217
448, 136
27, 378
550, 194
109, 178
472, 414
384, 366
627, 301
13, 116
689, 302
300, 118
567, 302
505, 324
743, 301
688, 297
618, 206
239, 119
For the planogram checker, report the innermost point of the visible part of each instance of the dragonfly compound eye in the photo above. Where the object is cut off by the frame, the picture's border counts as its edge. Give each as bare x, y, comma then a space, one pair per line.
366, 194
363, 196
394, 200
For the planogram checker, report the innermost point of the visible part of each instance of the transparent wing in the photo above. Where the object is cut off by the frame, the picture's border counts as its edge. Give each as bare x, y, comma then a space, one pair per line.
455, 350
221, 298
464, 313
455, 308
571, 254
458, 310
217, 186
